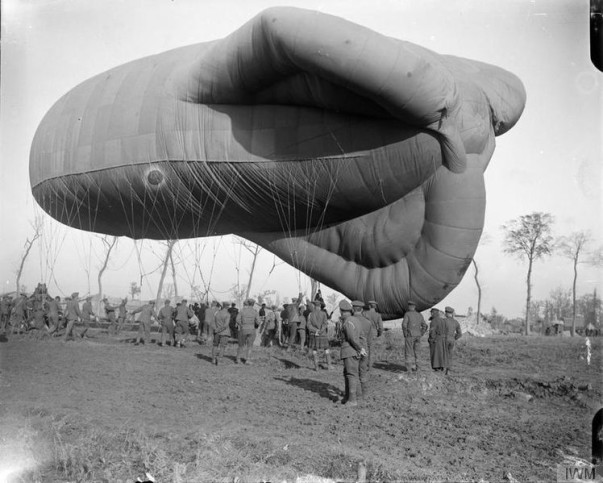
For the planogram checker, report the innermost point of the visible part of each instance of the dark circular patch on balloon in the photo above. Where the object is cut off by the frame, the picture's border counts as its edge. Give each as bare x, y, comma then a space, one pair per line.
155, 177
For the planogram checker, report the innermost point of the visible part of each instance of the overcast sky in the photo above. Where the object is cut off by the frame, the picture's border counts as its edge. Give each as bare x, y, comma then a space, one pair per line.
551, 161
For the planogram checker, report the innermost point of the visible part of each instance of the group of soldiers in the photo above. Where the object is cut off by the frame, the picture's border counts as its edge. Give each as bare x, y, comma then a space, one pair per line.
299, 324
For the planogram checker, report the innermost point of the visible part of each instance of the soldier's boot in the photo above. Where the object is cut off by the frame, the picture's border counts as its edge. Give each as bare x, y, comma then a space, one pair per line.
248, 355
315, 358
328, 356
346, 395
365, 389
214, 359
353, 388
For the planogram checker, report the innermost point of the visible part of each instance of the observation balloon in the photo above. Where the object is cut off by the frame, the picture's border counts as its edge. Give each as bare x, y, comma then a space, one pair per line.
355, 157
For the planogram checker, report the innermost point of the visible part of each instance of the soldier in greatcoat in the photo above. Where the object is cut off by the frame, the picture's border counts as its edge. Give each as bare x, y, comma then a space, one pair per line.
413, 328
437, 341
453, 332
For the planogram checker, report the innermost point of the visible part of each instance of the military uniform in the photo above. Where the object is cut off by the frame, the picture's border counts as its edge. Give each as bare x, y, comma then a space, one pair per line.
166, 319
54, 309
122, 313
183, 314
87, 315
72, 314
318, 326
269, 328
366, 333
351, 351
209, 322
221, 333
5, 306
248, 320
110, 314
375, 318
437, 342
452, 332
301, 329
147, 312
413, 328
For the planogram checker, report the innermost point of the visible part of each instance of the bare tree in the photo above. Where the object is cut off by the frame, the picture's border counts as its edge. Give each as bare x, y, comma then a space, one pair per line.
255, 251
529, 237
166, 261
109, 242
37, 227
479, 291
134, 289
573, 247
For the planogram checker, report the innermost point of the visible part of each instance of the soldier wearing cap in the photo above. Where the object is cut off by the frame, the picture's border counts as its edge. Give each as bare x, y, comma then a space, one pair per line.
318, 326
166, 319
221, 332
269, 327
72, 314
293, 319
147, 312
452, 334
413, 328
206, 331
367, 334
351, 352
248, 320
87, 315
437, 341
183, 314
377, 322
122, 313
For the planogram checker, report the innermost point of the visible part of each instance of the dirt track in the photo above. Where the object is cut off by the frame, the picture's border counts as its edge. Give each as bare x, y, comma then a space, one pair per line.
104, 410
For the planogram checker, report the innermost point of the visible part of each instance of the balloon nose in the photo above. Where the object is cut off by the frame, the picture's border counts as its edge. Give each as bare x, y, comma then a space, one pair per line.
155, 177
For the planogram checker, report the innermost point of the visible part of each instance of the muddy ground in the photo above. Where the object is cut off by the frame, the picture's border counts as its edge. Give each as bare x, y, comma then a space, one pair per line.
103, 409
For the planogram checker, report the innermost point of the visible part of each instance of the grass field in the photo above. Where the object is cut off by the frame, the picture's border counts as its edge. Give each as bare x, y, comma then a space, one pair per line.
104, 410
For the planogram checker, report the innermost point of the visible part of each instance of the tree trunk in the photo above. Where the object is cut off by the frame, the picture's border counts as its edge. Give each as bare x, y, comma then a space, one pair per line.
255, 257
174, 275
28, 245
529, 297
479, 293
574, 296
168, 255
104, 267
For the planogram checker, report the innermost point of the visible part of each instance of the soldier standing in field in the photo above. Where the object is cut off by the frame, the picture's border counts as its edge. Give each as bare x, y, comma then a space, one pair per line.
375, 319
318, 326
147, 312
166, 319
122, 313
437, 341
413, 328
72, 314
270, 327
221, 333
87, 315
351, 352
54, 309
366, 334
183, 314
208, 322
110, 314
452, 334
248, 320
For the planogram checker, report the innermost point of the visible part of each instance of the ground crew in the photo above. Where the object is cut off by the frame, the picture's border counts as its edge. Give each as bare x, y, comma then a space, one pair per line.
87, 315
166, 319
110, 313
301, 328
221, 333
351, 352
318, 327
18, 315
183, 314
452, 334
122, 313
270, 328
293, 320
72, 314
54, 308
375, 318
248, 320
147, 312
5, 306
413, 328
366, 334
208, 323
437, 341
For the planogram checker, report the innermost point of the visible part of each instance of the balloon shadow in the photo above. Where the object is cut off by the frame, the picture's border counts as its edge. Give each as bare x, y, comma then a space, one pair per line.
323, 389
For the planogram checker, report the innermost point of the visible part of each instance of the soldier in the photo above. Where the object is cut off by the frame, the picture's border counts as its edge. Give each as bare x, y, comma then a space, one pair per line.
284, 325
452, 334
87, 315
293, 320
413, 328
54, 308
209, 321
437, 341
39, 312
166, 319
147, 312
351, 352
377, 321
366, 333
318, 326
72, 314
221, 333
5, 307
269, 327
301, 327
18, 315
122, 313
183, 313
110, 314
233, 311
247, 321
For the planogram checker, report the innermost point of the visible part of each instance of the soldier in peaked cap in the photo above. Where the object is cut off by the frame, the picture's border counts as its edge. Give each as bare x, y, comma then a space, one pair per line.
452, 331
437, 341
221, 332
248, 320
367, 334
351, 352
413, 328
72, 314
166, 319
147, 312
377, 322
88, 315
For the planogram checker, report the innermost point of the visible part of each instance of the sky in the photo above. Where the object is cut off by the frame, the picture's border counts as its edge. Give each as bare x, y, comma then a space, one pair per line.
551, 161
